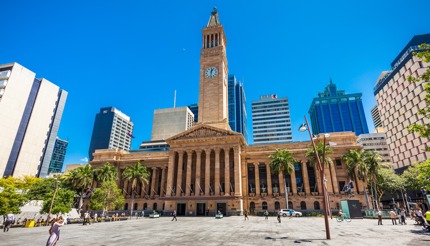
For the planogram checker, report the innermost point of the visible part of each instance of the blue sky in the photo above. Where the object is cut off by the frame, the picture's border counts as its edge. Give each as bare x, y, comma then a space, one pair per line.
133, 54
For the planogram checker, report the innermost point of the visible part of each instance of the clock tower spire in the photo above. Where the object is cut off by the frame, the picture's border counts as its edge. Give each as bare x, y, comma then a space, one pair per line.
213, 94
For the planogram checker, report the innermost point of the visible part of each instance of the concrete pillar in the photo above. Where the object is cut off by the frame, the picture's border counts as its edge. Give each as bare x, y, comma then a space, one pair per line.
188, 173
197, 185
227, 172
269, 180
293, 182
179, 189
153, 180
328, 181
318, 181
163, 181
306, 178
334, 179
217, 172
257, 179
207, 172
170, 170
238, 171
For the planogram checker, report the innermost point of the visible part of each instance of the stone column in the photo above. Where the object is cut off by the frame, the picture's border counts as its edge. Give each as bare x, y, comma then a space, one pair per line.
217, 171
163, 190
257, 179
269, 180
334, 179
306, 178
281, 183
197, 185
328, 180
179, 175
227, 172
188, 177
238, 172
207, 171
317, 177
293, 182
170, 170
153, 178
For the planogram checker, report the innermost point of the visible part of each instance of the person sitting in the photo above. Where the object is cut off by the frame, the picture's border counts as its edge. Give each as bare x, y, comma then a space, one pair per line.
341, 214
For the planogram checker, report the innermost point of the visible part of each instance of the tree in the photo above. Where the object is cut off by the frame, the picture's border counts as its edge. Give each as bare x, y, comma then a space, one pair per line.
324, 153
282, 161
63, 201
424, 55
106, 173
107, 197
418, 175
12, 195
136, 174
373, 162
80, 180
388, 181
356, 163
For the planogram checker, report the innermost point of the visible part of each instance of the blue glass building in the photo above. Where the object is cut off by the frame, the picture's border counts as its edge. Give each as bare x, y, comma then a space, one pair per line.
195, 109
237, 106
335, 111
57, 160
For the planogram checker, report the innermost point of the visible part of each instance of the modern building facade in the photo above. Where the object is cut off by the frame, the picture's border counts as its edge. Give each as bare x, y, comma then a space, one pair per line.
112, 130
399, 100
376, 117
335, 111
58, 155
195, 109
375, 142
271, 121
30, 111
171, 121
211, 168
237, 117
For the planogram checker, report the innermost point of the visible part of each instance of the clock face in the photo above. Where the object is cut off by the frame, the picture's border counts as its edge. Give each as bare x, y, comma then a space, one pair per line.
211, 72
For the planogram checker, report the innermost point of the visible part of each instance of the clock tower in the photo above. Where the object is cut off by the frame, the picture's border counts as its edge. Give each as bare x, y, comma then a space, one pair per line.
213, 95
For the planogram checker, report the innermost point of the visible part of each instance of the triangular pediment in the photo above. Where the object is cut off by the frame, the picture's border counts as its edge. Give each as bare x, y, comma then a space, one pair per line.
202, 131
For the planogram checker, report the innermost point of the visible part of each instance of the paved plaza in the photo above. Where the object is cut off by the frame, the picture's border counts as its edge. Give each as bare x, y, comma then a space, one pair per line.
226, 231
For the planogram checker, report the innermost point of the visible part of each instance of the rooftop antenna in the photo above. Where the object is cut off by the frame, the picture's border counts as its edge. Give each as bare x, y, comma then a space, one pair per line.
174, 100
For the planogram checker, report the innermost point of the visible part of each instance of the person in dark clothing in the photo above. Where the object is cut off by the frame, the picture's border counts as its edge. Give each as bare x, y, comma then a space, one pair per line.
174, 215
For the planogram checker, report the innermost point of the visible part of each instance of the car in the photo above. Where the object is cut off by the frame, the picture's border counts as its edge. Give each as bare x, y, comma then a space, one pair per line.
286, 212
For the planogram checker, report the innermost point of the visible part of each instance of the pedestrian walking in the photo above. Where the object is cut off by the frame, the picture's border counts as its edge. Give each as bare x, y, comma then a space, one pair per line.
393, 216
207, 212
95, 218
379, 217
245, 214
8, 220
266, 215
143, 213
403, 216
174, 215
54, 231
279, 216
86, 218
291, 213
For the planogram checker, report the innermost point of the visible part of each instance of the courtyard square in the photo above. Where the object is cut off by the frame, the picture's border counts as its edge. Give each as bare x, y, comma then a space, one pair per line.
226, 231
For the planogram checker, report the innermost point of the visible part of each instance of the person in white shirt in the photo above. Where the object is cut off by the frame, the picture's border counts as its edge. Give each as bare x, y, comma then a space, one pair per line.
379, 217
9, 218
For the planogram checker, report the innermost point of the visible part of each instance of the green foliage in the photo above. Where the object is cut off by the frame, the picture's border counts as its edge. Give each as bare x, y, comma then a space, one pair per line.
106, 173
310, 154
418, 175
63, 201
11, 200
107, 197
423, 130
388, 181
137, 173
39, 189
282, 161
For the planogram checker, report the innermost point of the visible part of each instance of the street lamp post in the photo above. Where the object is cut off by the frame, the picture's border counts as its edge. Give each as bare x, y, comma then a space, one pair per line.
53, 198
303, 128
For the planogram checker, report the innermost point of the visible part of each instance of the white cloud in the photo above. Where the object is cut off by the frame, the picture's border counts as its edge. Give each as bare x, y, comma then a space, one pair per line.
84, 160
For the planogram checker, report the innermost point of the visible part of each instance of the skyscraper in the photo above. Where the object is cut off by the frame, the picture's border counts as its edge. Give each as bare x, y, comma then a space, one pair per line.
195, 109
237, 106
112, 130
376, 117
57, 160
30, 113
335, 111
375, 142
399, 100
271, 121
171, 121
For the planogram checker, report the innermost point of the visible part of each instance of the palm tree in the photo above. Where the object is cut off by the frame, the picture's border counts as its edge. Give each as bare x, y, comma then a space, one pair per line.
322, 153
81, 179
107, 173
372, 160
282, 162
135, 174
355, 161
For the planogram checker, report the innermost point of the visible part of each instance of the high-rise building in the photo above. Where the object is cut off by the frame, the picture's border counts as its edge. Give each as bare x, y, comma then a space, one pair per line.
112, 130
57, 160
237, 106
271, 121
30, 113
376, 117
171, 121
399, 100
375, 142
195, 109
335, 111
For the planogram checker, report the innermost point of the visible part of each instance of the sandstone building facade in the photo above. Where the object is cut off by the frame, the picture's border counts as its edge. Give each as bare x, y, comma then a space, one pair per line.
210, 168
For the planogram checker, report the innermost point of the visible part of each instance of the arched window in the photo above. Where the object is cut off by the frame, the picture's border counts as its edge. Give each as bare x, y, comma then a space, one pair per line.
277, 206
154, 207
317, 205
264, 205
252, 207
303, 205
290, 205
145, 206
126, 206
135, 206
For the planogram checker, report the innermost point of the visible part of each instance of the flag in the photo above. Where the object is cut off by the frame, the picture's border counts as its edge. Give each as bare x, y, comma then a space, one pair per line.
130, 135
